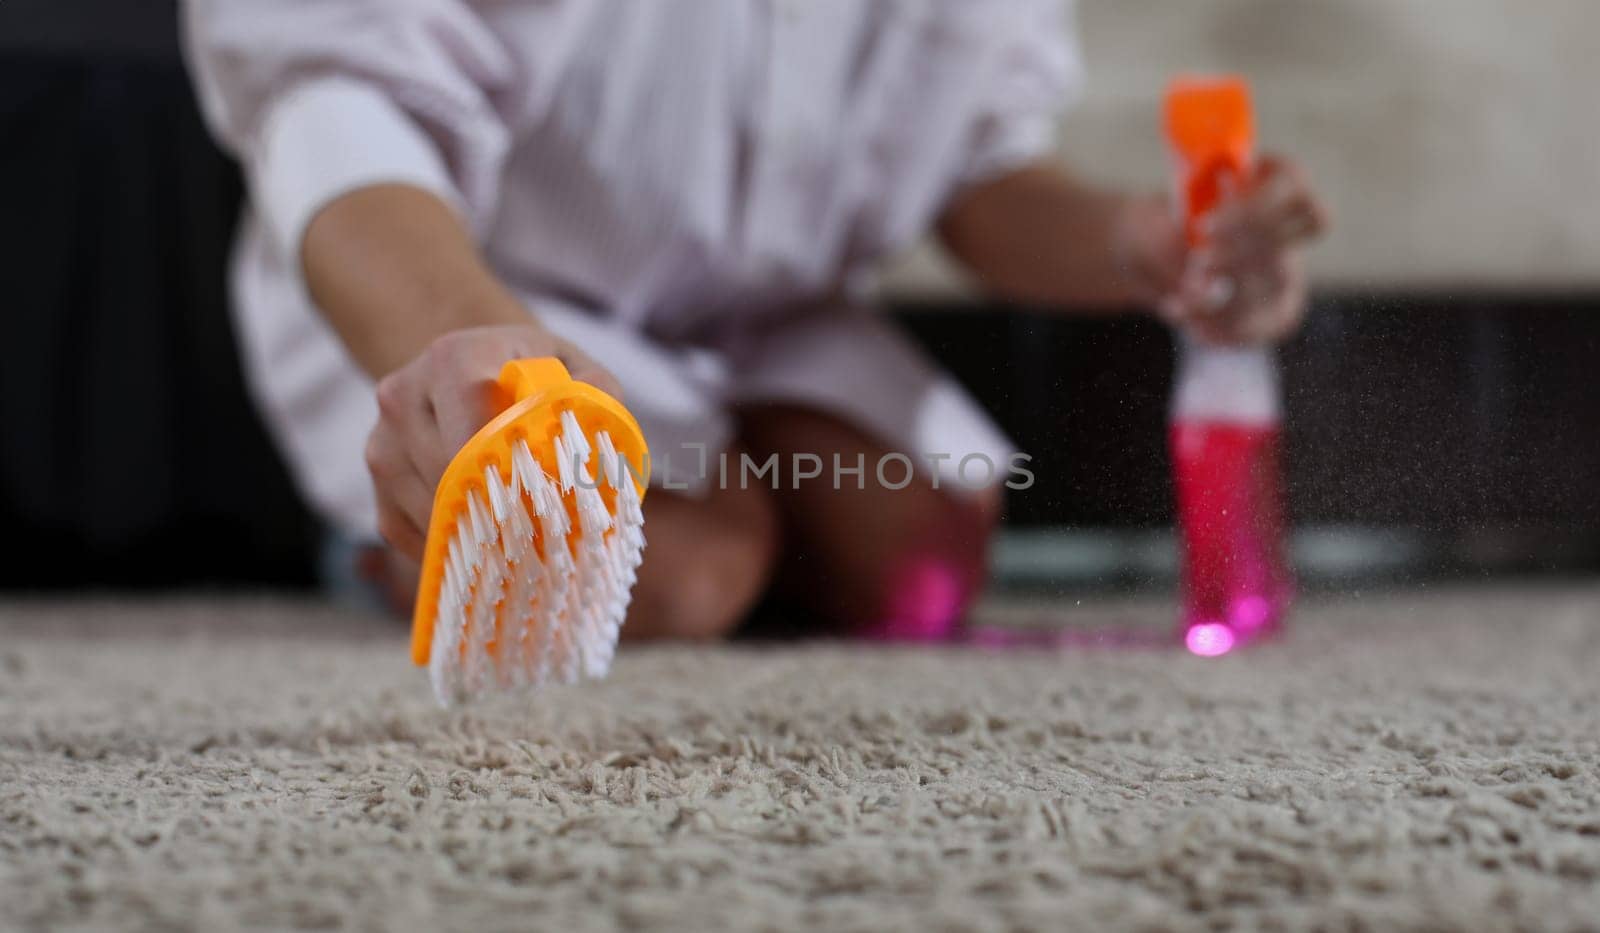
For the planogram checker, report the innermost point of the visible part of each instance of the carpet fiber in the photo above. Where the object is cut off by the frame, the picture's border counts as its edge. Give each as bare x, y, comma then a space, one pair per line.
1398, 762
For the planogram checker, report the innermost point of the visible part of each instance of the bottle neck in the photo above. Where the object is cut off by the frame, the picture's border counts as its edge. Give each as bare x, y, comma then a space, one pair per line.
1233, 384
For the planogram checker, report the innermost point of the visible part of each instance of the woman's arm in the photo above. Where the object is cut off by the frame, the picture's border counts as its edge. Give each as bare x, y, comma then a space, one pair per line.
1038, 236
399, 278
368, 132
393, 269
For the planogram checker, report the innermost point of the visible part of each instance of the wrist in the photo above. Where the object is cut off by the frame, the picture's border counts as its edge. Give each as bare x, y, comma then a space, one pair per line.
486, 304
391, 343
392, 269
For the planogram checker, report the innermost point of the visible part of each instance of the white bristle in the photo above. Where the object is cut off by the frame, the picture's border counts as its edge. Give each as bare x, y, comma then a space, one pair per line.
550, 508
523, 466
577, 443
482, 525
498, 501
527, 575
624, 550
607, 466
563, 464
587, 621
593, 519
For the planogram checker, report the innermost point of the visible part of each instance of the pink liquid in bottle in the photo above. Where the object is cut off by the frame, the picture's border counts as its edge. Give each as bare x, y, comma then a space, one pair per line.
1225, 437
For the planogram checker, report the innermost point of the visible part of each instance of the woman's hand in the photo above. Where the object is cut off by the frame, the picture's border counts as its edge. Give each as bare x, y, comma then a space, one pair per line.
1247, 283
397, 274
430, 407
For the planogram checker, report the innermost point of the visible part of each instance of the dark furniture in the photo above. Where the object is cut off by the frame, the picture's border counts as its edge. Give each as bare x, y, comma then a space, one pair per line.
129, 454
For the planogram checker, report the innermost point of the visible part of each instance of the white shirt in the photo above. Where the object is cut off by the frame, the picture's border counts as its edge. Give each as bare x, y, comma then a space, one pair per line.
662, 164
639, 156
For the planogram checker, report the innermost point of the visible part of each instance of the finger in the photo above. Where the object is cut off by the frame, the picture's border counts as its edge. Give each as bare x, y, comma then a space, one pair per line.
404, 413
398, 529
1220, 292
1182, 310
1203, 290
1255, 245
1284, 202
1285, 283
1303, 220
396, 477
1267, 309
1281, 211
459, 410
1173, 309
408, 430
390, 469
1289, 219
1236, 238
1215, 290
1228, 280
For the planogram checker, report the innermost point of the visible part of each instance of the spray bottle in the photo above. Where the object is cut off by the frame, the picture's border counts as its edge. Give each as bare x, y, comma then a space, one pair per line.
1226, 417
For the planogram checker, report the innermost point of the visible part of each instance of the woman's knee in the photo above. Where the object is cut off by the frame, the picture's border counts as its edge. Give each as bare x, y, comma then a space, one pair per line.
707, 562
922, 584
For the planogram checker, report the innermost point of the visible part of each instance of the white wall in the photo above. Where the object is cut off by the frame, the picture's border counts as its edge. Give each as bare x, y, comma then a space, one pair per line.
1457, 140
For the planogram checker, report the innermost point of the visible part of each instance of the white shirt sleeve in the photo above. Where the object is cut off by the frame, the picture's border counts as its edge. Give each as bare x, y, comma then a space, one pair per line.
320, 97
1036, 74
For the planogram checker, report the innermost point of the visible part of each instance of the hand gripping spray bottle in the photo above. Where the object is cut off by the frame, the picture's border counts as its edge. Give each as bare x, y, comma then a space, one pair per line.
1226, 409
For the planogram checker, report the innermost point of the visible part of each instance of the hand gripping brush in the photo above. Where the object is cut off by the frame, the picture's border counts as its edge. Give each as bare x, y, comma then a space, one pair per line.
534, 542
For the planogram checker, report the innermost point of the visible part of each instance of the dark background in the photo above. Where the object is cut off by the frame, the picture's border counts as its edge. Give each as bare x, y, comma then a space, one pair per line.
130, 455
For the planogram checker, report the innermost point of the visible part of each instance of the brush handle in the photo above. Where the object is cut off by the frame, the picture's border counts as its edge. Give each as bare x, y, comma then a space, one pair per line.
520, 379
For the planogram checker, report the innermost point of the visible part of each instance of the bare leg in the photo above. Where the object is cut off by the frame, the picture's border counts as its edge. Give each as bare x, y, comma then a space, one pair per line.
706, 563
901, 563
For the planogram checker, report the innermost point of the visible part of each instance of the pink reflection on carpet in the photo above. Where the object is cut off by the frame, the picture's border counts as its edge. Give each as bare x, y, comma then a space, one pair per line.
925, 603
1209, 639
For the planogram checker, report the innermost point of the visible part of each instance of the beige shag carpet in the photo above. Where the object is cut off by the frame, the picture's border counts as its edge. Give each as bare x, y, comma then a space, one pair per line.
1418, 761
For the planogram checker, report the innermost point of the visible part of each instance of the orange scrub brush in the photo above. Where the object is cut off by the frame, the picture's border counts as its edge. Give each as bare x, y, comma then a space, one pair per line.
534, 542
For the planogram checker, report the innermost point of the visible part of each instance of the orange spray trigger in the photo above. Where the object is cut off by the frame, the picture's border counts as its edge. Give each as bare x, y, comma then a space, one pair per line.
1211, 130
